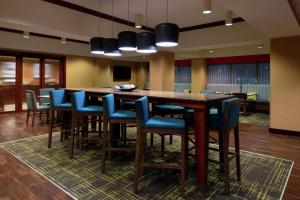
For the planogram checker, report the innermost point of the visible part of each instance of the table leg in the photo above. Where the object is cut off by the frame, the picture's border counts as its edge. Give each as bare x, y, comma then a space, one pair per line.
201, 144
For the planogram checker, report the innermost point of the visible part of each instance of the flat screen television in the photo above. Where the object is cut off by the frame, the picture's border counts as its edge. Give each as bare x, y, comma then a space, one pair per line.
121, 73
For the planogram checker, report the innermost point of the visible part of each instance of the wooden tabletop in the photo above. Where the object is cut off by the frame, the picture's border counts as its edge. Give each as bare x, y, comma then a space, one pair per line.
164, 95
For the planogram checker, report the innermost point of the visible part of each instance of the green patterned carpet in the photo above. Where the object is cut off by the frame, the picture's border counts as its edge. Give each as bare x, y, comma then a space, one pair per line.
263, 177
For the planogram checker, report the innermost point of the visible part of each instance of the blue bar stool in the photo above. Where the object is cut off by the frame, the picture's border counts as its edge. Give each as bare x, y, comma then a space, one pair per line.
163, 110
161, 126
112, 116
224, 123
82, 110
58, 103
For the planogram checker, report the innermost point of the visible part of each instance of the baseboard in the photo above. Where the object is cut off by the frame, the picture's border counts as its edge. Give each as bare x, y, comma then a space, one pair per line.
284, 132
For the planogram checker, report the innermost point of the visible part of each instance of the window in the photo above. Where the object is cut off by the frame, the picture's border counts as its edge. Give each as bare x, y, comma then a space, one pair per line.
182, 78
246, 77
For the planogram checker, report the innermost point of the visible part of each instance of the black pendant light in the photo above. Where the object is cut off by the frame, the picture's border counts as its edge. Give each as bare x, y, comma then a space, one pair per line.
97, 45
145, 41
166, 34
97, 42
111, 46
127, 39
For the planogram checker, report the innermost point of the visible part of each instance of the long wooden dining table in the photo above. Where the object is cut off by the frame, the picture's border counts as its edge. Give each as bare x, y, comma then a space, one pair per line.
197, 101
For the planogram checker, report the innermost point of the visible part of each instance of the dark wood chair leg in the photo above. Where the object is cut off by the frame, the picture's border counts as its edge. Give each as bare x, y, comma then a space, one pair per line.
125, 135
151, 139
109, 141
162, 145
137, 159
221, 153
171, 139
72, 134
33, 118
27, 116
183, 164
226, 161
171, 136
237, 152
50, 128
104, 144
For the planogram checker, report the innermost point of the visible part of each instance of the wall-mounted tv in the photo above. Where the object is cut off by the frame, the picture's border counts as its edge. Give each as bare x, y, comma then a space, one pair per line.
121, 73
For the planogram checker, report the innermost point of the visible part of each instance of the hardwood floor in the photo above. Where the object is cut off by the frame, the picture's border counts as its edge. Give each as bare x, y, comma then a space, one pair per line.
18, 181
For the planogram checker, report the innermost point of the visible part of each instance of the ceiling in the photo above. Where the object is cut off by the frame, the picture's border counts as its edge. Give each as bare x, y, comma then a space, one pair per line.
261, 24
295, 4
182, 12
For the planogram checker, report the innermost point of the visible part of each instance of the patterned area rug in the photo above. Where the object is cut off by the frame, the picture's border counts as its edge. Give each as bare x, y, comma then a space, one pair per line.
256, 118
263, 177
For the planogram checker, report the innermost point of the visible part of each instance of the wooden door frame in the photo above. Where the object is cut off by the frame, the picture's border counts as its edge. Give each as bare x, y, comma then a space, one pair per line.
19, 55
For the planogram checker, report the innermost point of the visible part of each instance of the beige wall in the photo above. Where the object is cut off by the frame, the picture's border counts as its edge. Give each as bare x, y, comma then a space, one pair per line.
285, 84
141, 78
98, 72
199, 75
162, 71
80, 71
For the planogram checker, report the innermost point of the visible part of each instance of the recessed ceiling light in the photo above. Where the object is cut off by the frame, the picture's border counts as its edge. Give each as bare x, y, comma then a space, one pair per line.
206, 7
228, 18
138, 18
211, 51
26, 35
63, 40
259, 47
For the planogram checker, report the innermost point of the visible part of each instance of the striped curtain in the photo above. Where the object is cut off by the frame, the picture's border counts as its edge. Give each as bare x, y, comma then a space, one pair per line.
219, 74
247, 77
182, 78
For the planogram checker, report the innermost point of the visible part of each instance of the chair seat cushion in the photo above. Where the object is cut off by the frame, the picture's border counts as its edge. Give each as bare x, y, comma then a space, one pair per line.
212, 111
123, 114
92, 109
66, 105
165, 123
42, 107
169, 108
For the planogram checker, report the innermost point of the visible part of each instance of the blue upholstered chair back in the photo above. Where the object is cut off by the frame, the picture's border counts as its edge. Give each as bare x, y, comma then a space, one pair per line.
108, 105
230, 112
31, 100
45, 91
204, 92
57, 97
142, 111
78, 100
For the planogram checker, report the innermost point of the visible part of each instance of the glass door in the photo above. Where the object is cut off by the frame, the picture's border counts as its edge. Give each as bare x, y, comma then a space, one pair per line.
21, 71
7, 84
30, 77
52, 73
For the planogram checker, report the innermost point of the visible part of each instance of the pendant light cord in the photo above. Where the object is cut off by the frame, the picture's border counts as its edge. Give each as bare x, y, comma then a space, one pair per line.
128, 15
167, 11
99, 30
146, 12
112, 18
